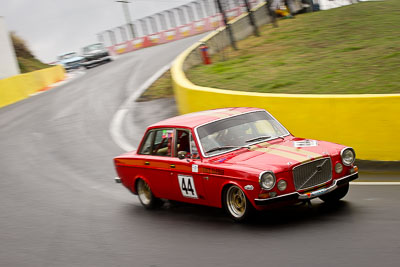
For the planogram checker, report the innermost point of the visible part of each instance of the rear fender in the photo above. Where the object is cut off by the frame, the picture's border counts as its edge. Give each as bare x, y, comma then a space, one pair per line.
136, 179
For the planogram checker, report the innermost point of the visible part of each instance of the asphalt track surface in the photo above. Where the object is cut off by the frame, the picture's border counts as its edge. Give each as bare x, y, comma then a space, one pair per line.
59, 205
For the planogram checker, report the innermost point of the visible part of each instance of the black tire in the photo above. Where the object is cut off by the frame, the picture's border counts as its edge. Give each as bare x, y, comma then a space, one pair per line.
236, 204
146, 197
336, 195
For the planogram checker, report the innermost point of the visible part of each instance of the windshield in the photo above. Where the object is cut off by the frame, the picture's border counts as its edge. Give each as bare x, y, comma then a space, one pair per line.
93, 47
67, 56
239, 131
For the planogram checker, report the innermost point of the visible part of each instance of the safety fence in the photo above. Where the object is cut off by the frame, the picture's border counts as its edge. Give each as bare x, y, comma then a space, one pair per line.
21, 86
170, 25
368, 123
187, 20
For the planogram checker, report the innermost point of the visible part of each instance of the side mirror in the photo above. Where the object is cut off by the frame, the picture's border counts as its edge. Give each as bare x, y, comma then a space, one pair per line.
182, 154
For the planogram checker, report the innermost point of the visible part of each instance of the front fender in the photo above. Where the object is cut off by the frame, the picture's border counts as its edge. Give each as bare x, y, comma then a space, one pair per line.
249, 188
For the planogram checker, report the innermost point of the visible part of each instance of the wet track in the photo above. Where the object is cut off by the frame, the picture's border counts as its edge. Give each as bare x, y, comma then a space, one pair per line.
61, 207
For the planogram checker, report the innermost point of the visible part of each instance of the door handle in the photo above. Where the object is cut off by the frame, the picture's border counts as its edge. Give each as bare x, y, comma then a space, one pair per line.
147, 163
172, 165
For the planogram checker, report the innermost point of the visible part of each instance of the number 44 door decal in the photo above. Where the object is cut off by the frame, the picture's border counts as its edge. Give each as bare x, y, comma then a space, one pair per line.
187, 187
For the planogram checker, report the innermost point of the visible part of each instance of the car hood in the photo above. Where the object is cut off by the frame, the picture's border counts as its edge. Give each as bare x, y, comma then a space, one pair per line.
279, 156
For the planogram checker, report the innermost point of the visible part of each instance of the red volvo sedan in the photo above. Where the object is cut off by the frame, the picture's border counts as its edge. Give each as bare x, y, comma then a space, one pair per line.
239, 159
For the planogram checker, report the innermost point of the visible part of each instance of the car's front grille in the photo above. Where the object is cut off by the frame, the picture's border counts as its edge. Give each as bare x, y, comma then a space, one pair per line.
312, 173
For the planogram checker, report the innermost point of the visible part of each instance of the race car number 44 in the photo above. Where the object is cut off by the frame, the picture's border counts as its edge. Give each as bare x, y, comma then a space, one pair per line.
187, 187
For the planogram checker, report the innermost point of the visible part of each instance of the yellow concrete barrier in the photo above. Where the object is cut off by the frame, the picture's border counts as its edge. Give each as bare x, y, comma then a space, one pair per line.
19, 87
368, 123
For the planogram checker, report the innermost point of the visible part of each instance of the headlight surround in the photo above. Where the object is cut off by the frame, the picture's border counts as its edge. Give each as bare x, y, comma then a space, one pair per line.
267, 180
348, 156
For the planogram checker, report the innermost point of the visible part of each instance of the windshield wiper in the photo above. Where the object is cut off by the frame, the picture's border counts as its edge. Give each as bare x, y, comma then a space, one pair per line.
220, 148
225, 147
258, 138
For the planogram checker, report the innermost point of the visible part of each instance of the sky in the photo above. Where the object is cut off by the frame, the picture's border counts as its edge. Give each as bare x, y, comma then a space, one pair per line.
53, 27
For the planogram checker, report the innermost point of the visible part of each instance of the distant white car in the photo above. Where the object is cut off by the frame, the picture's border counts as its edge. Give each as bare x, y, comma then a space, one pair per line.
95, 54
70, 60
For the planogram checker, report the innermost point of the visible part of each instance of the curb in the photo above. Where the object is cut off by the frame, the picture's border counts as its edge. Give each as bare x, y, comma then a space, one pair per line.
378, 166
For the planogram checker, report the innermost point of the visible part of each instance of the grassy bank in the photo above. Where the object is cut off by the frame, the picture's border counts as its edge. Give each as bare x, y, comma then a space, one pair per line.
159, 89
30, 64
352, 49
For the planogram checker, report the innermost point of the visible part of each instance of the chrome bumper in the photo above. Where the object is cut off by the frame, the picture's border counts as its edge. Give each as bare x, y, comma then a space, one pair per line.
297, 196
96, 61
117, 180
319, 192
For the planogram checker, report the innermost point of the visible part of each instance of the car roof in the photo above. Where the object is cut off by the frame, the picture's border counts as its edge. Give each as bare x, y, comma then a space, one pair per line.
68, 53
192, 120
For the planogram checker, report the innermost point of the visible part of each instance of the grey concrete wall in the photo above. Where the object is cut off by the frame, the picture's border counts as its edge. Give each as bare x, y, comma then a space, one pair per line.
8, 61
262, 16
242, 28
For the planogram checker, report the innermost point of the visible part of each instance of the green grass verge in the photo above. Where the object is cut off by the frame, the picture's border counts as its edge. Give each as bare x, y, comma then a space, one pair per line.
352, 49
30, 64
159, 89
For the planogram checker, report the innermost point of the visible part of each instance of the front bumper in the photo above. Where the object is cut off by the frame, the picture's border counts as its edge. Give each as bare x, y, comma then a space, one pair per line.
72, 66
296, 196
96, 61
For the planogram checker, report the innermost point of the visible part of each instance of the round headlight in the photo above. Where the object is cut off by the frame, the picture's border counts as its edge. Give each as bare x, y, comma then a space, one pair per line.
282, 185
338, 167
267, 180
348, 156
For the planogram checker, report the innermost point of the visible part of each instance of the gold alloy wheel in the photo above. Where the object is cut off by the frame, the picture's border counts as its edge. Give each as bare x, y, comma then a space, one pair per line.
144, 192
236, 201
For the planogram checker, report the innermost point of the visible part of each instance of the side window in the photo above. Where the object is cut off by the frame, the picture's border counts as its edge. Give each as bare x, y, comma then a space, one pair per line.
146, 147
182, 142
193, 148
163, 143
185, 144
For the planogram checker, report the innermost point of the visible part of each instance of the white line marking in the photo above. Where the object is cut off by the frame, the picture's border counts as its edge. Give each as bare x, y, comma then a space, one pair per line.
116, 122
375, 183
37, 93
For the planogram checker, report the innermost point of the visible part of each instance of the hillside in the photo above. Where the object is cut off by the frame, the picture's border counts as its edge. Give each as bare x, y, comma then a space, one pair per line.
26, 60
352, 49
